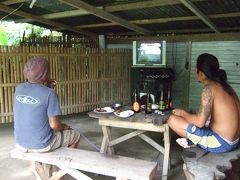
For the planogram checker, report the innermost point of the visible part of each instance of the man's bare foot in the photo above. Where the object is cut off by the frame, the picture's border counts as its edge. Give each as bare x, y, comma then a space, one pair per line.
183, 142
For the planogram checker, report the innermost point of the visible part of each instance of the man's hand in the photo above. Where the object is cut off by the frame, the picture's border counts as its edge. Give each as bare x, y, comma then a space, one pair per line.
51, 83
56, 124
65, 127
178, 112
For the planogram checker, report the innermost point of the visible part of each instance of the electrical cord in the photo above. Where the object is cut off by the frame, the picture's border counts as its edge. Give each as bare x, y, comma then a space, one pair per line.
12, 12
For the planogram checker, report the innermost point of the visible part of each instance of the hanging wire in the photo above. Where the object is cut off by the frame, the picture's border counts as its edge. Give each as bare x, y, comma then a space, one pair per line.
12, 12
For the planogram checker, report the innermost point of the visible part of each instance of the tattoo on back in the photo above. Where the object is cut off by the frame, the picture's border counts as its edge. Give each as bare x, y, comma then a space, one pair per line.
206, 102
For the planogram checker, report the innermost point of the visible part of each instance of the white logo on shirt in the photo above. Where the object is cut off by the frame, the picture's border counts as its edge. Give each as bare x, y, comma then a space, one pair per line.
26, 99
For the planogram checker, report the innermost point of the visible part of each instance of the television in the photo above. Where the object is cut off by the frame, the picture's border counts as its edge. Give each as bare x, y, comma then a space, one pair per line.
149, 53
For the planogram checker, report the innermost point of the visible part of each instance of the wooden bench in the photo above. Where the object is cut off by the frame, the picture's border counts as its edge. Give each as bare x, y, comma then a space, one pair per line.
72, 160
199, 165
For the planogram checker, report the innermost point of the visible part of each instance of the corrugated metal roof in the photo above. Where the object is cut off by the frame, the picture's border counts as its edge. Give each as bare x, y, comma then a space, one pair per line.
128, 16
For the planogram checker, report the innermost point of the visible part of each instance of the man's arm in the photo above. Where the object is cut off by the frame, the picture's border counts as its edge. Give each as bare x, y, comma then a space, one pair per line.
205, 109
56, 124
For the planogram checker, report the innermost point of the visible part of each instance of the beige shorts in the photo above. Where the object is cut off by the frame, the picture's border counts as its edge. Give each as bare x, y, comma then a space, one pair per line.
69, 137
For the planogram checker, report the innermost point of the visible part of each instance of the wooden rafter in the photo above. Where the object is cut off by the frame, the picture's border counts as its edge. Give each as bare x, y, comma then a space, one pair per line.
198, 13
162, 20
230, 36
9, 2
179, 31
111, 8
45, 21
105, 15
207, 19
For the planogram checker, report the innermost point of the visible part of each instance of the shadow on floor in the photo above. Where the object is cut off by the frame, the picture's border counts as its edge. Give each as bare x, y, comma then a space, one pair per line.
16, 169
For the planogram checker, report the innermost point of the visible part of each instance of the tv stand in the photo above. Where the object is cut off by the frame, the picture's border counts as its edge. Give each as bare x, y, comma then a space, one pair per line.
156, 79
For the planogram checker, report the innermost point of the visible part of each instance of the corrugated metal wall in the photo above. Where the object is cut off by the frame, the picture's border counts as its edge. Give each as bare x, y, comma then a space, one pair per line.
177, 58
228, 54
181, 56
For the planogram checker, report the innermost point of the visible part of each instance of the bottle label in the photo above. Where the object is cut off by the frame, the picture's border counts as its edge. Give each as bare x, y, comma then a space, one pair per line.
149, 108
162, 105
136, 106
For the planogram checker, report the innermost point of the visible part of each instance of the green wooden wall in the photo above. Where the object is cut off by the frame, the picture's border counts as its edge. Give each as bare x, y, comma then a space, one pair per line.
228, 54
177, 57
186, 89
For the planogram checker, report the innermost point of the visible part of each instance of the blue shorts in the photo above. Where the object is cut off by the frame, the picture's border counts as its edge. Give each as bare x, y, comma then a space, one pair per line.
208, 140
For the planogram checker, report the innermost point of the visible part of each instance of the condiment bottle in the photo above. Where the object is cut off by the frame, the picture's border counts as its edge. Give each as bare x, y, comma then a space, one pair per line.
148, 105
136, 103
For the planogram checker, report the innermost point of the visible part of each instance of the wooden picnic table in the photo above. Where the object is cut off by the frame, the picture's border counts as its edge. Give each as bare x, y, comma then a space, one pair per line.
139, 123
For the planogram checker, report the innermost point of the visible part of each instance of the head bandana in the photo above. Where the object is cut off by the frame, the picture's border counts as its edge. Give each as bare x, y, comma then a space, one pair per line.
36, 70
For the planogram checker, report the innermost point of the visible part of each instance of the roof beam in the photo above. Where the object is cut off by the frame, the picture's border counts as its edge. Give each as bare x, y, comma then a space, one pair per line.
142, 21
162, 20
177, 32
45, 21
111, 8
10, 2
107, 16
198, 13
229, 36
64, 14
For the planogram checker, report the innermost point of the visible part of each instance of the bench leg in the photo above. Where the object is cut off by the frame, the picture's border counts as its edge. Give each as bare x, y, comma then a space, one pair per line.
44, 171
119, 178
186, 172
166, 153
57, 175
75, 173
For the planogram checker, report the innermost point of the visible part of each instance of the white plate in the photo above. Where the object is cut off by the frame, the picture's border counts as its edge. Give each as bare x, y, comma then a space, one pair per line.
124, 114
104, 110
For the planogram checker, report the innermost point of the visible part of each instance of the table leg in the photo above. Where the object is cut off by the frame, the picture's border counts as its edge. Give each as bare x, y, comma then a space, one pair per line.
104, 145
106, 139
166, 152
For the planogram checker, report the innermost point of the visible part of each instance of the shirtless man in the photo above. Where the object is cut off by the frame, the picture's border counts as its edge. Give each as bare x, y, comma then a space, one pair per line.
219, 104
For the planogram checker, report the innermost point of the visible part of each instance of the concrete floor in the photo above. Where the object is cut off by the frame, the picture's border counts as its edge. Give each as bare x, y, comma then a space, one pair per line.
15, 169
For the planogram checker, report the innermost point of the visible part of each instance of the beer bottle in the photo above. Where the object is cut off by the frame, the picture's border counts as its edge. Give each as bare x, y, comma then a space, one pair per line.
169, 100
161, 102
148, 105
136, 104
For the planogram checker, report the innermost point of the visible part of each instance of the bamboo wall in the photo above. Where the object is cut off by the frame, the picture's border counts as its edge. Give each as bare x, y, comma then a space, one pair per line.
87, 78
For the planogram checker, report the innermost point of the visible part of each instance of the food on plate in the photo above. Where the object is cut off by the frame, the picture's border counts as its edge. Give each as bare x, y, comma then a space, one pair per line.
118, 112
124, 114
104, 110
101, 110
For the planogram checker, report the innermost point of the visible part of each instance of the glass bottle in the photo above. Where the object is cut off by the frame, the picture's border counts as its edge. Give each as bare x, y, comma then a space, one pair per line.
148, 105
161, 102
169, 99
136, 103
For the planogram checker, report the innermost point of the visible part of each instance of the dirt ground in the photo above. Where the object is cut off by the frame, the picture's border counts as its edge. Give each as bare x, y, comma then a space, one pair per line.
16, 169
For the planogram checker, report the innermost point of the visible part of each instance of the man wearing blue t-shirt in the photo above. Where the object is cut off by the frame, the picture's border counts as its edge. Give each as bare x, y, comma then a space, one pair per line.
37, 125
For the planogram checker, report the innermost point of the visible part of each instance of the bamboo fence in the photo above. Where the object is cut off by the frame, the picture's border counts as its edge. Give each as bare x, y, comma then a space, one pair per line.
87, 78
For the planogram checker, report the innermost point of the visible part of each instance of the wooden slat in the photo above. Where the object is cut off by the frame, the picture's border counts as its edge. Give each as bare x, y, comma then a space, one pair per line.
9, 2
85, 76
105, 15
110, 165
